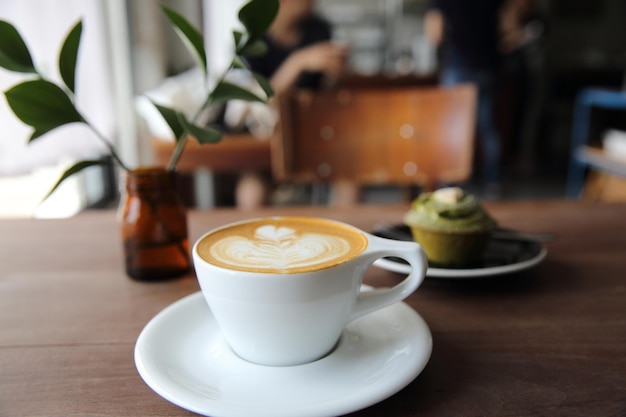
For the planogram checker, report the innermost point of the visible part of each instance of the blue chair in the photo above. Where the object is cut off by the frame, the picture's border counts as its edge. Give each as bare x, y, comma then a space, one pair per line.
586, 100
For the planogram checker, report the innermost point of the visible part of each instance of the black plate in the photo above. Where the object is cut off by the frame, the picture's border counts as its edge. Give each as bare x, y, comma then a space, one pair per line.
501, 256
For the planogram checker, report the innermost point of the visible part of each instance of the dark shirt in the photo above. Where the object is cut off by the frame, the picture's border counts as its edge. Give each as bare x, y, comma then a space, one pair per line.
314, 30
471, 36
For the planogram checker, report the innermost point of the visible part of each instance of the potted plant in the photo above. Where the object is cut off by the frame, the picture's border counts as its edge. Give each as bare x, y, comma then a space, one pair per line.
154, 225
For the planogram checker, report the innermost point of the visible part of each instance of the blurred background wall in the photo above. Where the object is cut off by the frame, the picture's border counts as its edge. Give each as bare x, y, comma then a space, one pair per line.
128, 49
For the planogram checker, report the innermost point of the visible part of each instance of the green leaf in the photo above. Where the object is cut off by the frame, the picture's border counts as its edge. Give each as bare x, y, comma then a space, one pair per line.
76, 168
69, 56
256, 17
42, 105
172, 118
254, 48
190, 36
237, 35
225, 91
264, 83
14, 54
204, 135
239, 63
38, 132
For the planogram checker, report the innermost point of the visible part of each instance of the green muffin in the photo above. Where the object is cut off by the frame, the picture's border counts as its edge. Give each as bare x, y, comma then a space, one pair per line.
452, 226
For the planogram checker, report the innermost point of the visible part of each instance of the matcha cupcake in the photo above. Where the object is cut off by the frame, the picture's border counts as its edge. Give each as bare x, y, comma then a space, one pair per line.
451, 226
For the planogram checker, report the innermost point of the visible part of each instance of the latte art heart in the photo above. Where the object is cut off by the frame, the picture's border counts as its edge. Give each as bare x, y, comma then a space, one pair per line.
281, 245
279, 248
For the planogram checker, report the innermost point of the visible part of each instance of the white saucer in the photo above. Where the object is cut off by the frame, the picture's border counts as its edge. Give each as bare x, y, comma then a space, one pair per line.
182, 356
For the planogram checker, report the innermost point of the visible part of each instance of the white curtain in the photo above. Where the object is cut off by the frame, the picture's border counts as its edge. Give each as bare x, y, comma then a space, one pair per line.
220, 18
44, 25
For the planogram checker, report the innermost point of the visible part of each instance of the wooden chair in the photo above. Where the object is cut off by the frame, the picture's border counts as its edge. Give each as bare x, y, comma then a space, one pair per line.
235, 153
401, 136
585, 157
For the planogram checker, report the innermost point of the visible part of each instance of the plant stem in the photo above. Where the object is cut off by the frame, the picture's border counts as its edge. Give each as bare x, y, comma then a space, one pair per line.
178, 150
98, 134
182, 140
103, 139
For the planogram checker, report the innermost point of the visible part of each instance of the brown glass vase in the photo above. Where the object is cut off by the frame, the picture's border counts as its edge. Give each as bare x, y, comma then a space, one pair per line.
154, 226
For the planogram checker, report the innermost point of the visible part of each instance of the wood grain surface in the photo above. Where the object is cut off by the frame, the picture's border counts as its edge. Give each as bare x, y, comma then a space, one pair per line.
549, 341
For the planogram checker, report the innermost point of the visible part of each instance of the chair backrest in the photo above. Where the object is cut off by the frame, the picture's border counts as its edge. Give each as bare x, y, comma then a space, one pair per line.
414, 135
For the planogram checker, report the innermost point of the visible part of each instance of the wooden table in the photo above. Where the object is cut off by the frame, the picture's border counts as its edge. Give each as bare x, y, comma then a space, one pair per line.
550, 341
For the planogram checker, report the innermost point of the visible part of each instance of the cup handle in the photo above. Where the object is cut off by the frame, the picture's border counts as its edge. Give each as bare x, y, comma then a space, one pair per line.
411, 252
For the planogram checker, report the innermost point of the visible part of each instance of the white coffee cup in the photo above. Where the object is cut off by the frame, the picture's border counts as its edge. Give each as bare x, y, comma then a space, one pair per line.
282, 289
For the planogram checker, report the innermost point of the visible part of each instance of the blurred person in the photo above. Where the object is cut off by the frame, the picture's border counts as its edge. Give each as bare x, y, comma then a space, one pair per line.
300, 54
523, 25
300, 51
468, 35
520, 25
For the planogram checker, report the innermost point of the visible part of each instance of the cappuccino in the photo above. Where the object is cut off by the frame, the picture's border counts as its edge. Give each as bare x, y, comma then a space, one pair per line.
282, 245
247, 272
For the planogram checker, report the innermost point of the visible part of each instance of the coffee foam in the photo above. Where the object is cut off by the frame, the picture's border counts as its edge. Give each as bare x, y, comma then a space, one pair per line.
282, 245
